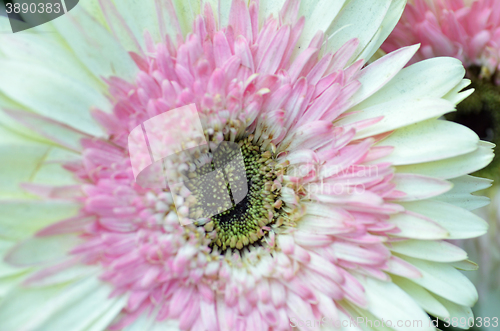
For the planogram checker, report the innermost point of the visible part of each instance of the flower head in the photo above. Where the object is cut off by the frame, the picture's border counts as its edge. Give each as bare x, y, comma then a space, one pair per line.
349, 174
468, 31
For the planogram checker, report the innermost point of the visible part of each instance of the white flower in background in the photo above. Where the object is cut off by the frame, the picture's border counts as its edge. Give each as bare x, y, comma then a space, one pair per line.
354, 184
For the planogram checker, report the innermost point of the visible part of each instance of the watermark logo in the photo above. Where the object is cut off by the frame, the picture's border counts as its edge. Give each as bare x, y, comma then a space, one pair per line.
26, 14
171, 149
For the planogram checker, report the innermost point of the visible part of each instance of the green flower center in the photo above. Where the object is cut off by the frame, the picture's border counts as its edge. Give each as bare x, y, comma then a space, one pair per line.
245, 218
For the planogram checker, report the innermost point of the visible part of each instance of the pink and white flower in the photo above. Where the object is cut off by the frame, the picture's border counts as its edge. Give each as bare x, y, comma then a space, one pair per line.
466, 30
355, 184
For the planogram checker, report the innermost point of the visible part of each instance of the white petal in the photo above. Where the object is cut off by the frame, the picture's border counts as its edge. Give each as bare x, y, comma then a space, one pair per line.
452, 167
25, 160
7, 270
398, 114
42, 250
40, 47
103, 321
221, 9
28, 309
377, 74
460, 195
427, 141
438, 251
459, 315
426, 79
422, 297
460, 223
86, 311
419, 187
53, 95
456, 96
140, 16
446, 281
415, 227
94, 46
358, 19
388, 301
22, 218
319, 15
390, 20
466, 265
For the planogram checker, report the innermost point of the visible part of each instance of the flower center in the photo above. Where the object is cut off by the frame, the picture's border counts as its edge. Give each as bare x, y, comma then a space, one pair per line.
255, 205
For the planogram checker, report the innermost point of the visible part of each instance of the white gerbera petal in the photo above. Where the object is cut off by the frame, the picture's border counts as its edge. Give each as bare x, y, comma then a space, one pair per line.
22, 46
460, 195
429, 141
437, 251
445, 281
387, 301
377, 74
107, 316
29, 161
22, 218
425, 299
42, 250
106, 57
416, 227
419, 187
357, 19
397, 114
62, 99
321, 13
430, 78
87, 310
452, 167
460, 223
29, 309
458, 313
390, 20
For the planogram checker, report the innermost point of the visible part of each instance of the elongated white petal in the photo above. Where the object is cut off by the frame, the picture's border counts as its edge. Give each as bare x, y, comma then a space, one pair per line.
86, 311
446, 281
42, 250
7, 270
22, 218
429, 78
429, 140
28, 309
438, 251
388, 301
460, 195
94, 46
466, 265
103, 321
358, 19
412, 226
53, 95
419, 187
426, 300
22, 47
377, 74
456, 95
397, 114
459, 315
390, 20
319, 17
460, 223
452, 167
